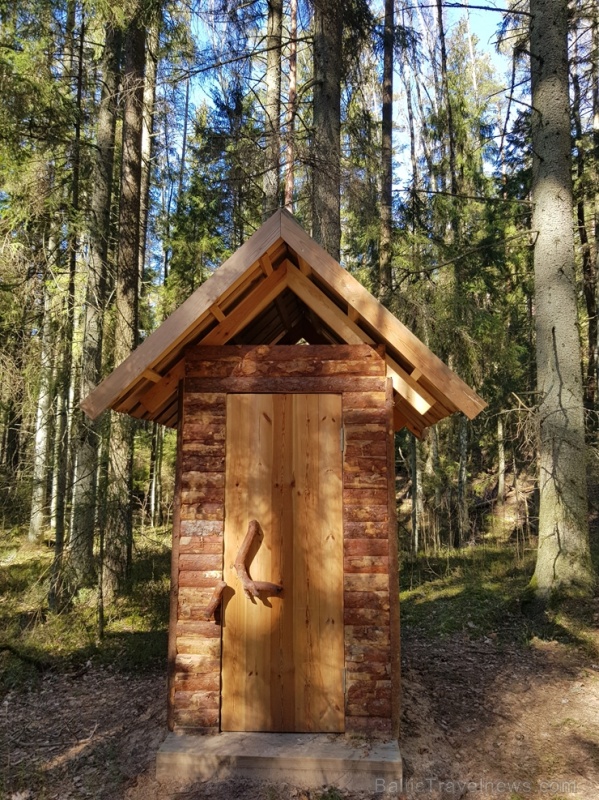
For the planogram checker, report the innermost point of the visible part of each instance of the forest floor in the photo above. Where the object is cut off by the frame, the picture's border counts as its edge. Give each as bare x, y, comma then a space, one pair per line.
479, 720
497, 702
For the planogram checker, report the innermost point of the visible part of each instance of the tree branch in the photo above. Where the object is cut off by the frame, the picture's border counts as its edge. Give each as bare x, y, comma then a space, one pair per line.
252, 588
215, 600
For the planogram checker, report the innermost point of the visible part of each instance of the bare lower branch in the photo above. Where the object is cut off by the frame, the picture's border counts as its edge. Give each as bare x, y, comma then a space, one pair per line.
252, 588
215, 600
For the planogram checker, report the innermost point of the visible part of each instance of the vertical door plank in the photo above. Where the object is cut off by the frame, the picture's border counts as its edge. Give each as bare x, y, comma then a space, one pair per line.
248, 624
282, 653
318, 558
234, 622
304, 503
283, 656
329, 563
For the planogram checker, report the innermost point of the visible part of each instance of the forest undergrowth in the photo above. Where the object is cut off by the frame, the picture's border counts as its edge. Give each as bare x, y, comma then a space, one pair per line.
479, 590
34, 639
493, 690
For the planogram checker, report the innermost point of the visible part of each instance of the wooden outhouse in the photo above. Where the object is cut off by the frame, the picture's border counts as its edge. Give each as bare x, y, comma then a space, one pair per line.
286, 381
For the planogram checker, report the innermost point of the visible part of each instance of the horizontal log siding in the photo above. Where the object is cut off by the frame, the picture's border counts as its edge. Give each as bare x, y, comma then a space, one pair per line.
196, 684
368, 701
369, 556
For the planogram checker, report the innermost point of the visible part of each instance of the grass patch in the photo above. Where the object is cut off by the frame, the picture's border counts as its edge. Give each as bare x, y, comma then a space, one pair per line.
33, 639
331, 793
476, 590
481, 591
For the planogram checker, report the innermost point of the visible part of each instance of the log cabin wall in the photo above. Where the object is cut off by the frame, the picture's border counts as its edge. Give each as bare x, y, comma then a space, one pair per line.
198, 526
371, 615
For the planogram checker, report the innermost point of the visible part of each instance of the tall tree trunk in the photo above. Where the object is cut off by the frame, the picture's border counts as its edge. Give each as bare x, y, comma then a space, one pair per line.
563, 559
12, 439
453, 174
119, 527
404, 65
39, 510
417, 496
291, 107
88, 441
595, 176
589, 276
272, 116
326, 159
65, 372
156, 475
454, 241
500, 459
463, 526
386, 244
151, 71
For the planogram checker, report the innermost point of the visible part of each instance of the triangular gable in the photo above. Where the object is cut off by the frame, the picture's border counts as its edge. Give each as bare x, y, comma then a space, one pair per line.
281, 286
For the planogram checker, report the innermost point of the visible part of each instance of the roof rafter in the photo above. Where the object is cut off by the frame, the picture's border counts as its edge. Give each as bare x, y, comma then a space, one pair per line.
278, 284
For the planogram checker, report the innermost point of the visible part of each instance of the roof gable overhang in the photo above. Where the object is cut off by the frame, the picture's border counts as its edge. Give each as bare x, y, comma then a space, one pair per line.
279, 287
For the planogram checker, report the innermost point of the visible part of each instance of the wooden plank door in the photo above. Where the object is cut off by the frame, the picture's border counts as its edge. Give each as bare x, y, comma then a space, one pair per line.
283, 656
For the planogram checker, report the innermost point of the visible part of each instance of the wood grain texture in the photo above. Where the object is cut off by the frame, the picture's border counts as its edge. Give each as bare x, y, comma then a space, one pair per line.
198, 560
246, 683
185, 320
366, 561
278, 465
389, 327
318, 561
283, 360
330, 384
174, 592
325, 308
394, 614
266, 291
239, 293
283, 661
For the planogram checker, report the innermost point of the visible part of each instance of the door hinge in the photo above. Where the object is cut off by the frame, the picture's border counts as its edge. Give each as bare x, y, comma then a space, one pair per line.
343, 680
342, 439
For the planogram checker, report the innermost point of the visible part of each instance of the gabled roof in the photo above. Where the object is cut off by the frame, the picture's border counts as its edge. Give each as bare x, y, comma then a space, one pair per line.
278, 288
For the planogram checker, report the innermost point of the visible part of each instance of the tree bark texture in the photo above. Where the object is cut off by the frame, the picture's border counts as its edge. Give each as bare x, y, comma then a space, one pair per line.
88, 442
252, 588
272, 116
417, 496
155, 489
500, 459
463, 526
563, 560
119, 529
326, 157
589, 275
65, 376
41, 463
386, 243
149, 100
448, 107
291, 107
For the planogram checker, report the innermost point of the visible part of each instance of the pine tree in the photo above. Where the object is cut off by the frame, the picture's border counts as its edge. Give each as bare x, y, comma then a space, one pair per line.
119, 529
563, 560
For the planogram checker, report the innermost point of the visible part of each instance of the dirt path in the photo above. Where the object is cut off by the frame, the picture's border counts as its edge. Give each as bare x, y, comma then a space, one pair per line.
479, 722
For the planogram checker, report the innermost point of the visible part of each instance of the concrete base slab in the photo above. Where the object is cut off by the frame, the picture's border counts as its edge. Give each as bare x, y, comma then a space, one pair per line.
303, 759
